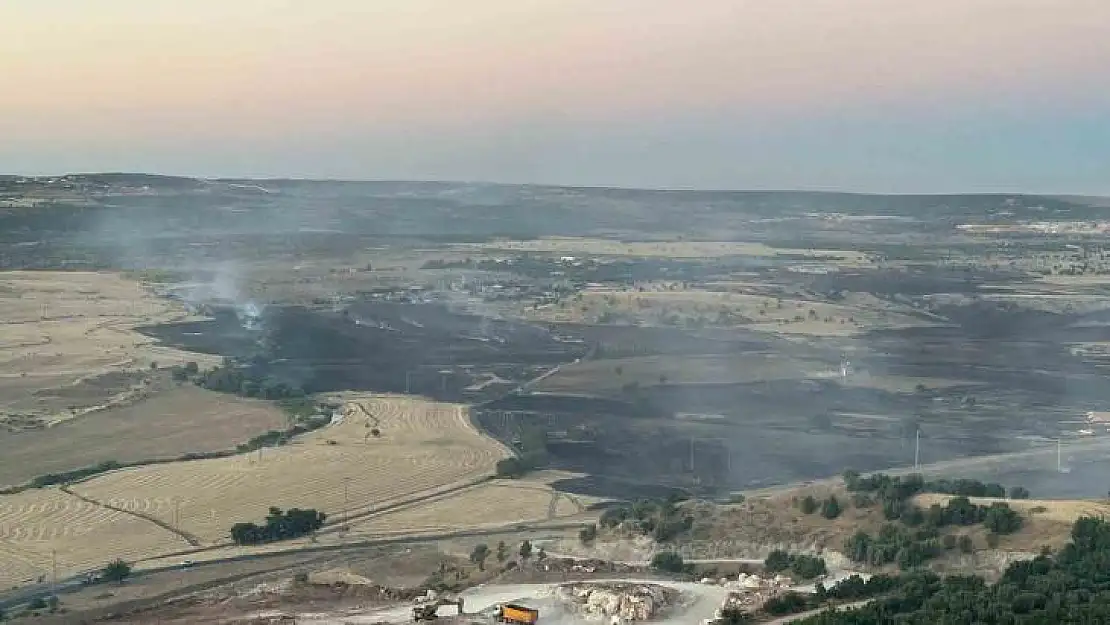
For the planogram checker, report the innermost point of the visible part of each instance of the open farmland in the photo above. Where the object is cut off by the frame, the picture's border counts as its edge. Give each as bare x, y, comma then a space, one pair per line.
68, 344
169, 424
83, 535
423, 447
491, 504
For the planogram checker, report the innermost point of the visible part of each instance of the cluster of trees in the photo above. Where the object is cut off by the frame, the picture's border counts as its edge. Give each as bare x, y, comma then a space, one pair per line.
243, 381
911, 548
1070, 587
800, 566
894, 494
274, 438
662, 519
279, 525
902, 488
481, 553
908, 548
829, 506
531, 454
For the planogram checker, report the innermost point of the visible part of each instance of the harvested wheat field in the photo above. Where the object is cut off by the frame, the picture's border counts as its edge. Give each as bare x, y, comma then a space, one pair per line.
485, 505
84, 535
169, 424
423, 447
68, 343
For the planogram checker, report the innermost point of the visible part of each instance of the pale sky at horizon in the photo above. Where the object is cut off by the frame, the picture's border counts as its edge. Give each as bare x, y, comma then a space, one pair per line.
864, 95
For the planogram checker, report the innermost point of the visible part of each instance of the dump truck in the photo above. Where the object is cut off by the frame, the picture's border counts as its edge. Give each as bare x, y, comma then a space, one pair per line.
429, 611
517, 614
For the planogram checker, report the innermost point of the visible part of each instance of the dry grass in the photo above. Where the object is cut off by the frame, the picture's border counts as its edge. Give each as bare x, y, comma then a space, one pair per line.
744, 306
167, 425
608, 376
664, 249
423, 448
84, 535
64, 332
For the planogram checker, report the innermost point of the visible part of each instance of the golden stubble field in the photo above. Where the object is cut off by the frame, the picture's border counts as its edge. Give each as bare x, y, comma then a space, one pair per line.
424, 474
423, 448
68, 344
39, 526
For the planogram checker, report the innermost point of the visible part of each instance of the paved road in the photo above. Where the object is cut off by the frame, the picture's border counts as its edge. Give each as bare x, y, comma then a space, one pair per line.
76, 582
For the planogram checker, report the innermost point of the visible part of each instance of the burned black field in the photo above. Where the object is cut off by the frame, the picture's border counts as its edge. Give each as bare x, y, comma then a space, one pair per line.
966, 389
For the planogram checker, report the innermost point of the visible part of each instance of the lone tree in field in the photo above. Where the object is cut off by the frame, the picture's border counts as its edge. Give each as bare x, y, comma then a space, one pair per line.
116, 571
525, 550
479, 555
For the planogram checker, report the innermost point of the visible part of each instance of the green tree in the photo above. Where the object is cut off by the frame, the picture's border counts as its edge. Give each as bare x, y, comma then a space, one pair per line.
808, 504
502, 551
777, 560
525, 550
966, 544
479, 554
116, 571
541, 555
668, 561
1019, 492
587, 534
830, 508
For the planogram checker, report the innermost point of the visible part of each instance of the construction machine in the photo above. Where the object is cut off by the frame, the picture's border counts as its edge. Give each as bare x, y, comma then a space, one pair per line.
429, 611
517, 614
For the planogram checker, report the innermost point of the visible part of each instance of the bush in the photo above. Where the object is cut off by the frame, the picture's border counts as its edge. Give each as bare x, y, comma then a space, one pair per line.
1019, 492
116, 571
808, 567
966, 544
668, 561
830, 508
949, 542
789, 602
776, 561
999, 518
587, 534
808, 505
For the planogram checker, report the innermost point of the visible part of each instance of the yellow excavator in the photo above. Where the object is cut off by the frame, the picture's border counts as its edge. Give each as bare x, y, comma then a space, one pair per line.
428, 611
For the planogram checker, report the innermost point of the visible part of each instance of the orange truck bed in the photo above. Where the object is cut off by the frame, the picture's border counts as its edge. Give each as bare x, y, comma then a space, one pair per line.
519, 614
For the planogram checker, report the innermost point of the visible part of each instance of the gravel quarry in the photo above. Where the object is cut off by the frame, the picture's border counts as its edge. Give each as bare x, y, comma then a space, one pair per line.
696, 602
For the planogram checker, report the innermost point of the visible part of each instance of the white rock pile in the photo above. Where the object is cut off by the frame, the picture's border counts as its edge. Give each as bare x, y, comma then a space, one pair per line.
626, 602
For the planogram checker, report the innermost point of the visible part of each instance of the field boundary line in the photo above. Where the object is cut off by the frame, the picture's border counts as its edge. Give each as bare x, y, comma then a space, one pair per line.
187, 537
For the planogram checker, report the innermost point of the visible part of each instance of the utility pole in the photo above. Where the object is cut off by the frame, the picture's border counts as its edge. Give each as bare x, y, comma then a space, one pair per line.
916, 448
346, 480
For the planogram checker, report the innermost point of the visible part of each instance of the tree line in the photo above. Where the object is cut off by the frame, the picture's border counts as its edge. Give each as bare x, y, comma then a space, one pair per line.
1069, 587
279, 525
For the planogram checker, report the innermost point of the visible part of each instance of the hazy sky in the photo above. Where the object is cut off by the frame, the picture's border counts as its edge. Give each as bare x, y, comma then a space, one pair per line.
874, 95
